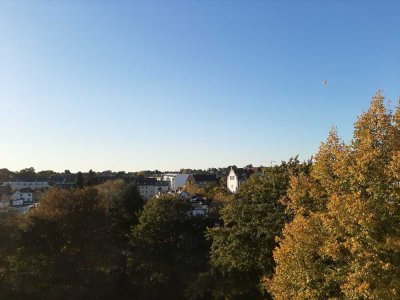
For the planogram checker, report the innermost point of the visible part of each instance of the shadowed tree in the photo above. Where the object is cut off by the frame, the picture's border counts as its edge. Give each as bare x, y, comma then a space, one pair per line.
168, 248
79, 180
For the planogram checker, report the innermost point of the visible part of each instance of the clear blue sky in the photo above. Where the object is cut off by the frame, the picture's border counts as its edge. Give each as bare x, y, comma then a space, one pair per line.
132, 85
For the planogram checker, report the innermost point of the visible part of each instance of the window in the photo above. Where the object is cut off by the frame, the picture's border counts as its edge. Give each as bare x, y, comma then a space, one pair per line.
232, 177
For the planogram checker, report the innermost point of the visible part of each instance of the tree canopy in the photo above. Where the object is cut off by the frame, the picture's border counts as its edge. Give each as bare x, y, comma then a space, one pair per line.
344, 241
241, 250
168, 248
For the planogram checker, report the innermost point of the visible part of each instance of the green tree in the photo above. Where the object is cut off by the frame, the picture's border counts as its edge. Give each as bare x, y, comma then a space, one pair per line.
46, 174
62, 248
168, 248
6, 175
27, 174
242, 248
89, 177
123, 203
79, 180
9, 223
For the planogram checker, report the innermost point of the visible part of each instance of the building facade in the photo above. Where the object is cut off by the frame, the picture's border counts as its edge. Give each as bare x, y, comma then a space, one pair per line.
235, 178
33, 185
176, 181
150, 187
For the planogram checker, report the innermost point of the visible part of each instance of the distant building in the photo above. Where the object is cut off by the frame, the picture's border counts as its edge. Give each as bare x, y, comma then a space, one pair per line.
176, 181
34, 185
21, 201
26, 195
235, 178
16, 202
150, 187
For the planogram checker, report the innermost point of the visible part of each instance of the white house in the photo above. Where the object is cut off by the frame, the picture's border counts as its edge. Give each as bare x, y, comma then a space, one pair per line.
24, 195
235, 178
33, 185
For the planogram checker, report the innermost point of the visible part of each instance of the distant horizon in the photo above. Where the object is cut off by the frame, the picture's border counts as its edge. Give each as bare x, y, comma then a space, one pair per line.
136, 171
186, 84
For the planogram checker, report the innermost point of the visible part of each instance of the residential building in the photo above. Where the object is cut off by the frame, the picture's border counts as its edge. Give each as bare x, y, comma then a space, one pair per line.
34, 185
176, 181
150, 187
235, 178
26, 195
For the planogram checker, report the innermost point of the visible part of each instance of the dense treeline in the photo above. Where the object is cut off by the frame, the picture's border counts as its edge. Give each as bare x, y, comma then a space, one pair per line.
322, 229
30, 174
102, 242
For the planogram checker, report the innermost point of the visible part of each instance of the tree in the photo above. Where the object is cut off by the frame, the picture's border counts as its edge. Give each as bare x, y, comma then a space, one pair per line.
46, 174
73, 246
345, 243
6, 175
89, 178
123, 203
79, 180
9, 223
61, 248
241, 250
27, 174
168, 248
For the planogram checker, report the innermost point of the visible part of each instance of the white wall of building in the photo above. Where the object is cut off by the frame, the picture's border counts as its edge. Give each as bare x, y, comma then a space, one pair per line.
150, 191
18, 185
232, 182
25, 196
176, 181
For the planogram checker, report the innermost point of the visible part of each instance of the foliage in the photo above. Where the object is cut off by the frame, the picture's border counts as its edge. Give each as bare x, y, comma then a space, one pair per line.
168, 248
27, 173
79, 180
193, 189
344, 241
6, 175
74, 245
8, 232
123, 204
241, 250
61, 245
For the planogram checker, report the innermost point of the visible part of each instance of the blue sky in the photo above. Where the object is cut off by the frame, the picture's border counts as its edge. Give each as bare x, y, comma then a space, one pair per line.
133, 85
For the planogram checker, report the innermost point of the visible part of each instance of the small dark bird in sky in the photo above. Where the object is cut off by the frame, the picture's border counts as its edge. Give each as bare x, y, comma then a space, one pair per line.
325, 82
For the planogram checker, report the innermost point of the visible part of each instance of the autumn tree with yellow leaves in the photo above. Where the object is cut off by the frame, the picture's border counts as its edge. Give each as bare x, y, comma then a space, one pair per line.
344, 239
